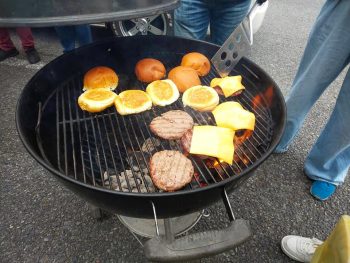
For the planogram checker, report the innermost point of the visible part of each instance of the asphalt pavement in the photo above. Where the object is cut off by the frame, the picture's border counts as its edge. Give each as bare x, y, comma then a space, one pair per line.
41, 221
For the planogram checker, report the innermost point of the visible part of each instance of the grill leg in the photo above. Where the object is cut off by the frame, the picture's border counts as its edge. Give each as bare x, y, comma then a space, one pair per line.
169, 235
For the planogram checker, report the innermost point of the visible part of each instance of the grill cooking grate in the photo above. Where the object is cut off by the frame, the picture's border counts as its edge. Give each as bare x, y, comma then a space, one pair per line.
113, 151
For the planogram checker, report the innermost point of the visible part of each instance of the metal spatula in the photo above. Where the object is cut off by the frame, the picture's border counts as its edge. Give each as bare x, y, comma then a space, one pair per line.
238, 43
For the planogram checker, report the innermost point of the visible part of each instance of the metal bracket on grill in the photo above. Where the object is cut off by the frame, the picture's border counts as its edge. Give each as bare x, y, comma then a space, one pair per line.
166, 248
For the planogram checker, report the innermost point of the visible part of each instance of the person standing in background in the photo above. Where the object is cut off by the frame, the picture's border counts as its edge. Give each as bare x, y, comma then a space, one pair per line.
326, 55
193, 17
8, 49
70, 35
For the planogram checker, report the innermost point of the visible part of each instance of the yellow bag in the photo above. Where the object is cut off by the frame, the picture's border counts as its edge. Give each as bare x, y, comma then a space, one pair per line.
336, 249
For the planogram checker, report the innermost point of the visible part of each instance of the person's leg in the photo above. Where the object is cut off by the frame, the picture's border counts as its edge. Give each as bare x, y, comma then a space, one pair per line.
324, 58
7, 49
83, 33
329, 159
67, 36
192, 19
26, 36
225, 16
6, 43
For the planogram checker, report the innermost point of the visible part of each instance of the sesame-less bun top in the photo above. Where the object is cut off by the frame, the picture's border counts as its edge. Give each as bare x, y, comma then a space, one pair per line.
197, 61
100, 77
148, 70
184, 78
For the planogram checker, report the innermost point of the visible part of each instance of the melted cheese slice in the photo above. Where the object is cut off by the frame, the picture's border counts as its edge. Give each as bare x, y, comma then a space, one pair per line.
213, 141
229, 85
231, 115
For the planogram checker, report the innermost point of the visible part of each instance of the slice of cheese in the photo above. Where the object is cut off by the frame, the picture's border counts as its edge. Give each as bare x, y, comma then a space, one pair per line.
229, 85
231, 114
213, 141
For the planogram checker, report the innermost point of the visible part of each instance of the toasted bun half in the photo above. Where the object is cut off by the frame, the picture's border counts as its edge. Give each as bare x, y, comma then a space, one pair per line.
96, 100
197, 61
184, 78
100, 77
149, 69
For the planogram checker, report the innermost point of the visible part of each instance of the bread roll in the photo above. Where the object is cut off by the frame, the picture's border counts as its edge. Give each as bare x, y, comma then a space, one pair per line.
198, 62
149, 69
100, 77
184, 77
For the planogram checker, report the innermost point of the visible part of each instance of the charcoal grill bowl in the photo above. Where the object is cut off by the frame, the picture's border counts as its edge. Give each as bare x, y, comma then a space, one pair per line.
123, 53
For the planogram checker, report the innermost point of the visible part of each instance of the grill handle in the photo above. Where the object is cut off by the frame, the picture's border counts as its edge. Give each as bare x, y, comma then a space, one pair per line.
168, 249
198, 245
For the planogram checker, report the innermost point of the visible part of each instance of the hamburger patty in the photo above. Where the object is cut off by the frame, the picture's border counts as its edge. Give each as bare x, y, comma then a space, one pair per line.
172, 124
186, 140
170, 170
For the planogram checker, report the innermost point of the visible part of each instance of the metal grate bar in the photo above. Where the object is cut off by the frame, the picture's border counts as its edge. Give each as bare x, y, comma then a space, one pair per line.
72, 134
104, 157
75, 96
127, 155
119, 152
89, 151
64, 132
113, 160
97, 151
142, 152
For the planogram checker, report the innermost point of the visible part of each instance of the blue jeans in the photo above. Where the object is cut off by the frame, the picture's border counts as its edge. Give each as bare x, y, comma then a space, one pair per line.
69, 35
327, 53
193, 17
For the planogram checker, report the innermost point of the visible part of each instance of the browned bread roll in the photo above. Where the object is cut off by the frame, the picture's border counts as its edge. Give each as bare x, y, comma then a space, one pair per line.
149, 69
197, 61
184, 77
100, 77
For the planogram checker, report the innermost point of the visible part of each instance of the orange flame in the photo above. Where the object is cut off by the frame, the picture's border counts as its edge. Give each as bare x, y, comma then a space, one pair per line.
267, 97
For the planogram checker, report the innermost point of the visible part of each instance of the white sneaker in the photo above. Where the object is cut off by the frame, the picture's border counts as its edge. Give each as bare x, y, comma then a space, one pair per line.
300, 248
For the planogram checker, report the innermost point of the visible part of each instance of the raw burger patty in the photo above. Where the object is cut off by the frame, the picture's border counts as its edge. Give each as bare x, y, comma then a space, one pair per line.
172, 124
170, 170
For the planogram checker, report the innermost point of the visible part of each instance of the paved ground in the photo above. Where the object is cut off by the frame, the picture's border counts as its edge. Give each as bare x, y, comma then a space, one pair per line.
40, 221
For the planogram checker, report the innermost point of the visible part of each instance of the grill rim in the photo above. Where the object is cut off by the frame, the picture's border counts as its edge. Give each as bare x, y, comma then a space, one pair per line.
223, 183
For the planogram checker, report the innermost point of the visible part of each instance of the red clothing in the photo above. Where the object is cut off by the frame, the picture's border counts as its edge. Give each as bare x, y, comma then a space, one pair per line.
24, 33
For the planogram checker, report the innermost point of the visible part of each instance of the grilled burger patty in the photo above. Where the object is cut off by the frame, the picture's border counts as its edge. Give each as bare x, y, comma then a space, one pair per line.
172, 124
186, 140
170, 170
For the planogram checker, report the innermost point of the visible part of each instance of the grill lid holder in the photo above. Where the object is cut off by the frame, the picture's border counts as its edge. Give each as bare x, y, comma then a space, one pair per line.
37, 13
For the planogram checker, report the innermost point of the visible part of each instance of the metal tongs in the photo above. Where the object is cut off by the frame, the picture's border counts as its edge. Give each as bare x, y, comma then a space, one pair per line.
240, 41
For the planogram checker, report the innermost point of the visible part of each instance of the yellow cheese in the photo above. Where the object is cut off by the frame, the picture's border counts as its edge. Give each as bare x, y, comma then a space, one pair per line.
231, 114
229, 85
213, 141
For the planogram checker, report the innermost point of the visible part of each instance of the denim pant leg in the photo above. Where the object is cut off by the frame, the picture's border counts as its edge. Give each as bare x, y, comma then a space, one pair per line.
83, 33
67, 37
225, 16
192, 19
329, 159
325, 56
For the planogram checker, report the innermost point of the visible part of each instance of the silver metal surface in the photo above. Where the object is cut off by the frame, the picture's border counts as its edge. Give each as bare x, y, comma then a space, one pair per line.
145, 227
235, 47
37, 13
143, 26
